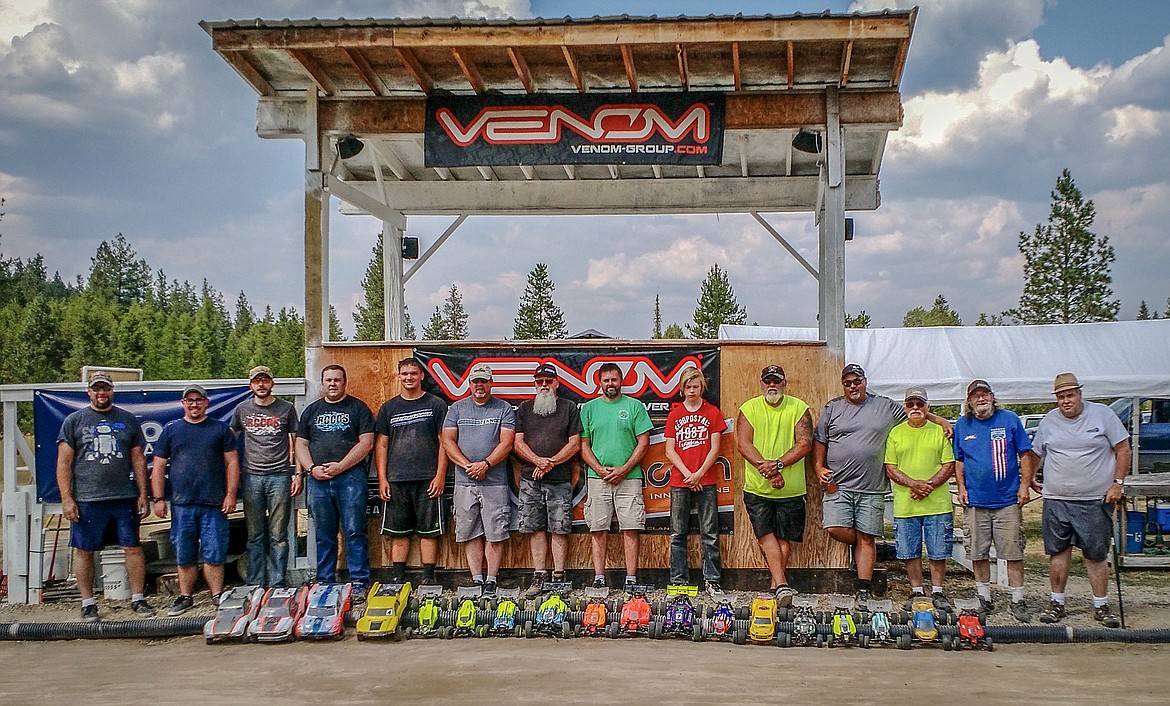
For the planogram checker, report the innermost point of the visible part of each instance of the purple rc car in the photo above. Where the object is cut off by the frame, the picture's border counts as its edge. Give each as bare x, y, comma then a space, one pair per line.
679, 619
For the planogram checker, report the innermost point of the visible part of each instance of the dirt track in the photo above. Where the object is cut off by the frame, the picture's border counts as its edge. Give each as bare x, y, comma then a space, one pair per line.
519, 671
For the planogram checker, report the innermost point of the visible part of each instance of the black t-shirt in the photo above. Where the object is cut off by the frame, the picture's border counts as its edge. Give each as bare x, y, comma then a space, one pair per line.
413, 428
548, 435
332, 428
101, 443
197, 471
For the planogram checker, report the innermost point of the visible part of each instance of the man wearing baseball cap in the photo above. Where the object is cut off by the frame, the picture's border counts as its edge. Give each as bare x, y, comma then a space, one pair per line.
993, 472
849, 445
919, 462
267, 480
101, 473
1086, 455
478, 434
774, 435
548, 437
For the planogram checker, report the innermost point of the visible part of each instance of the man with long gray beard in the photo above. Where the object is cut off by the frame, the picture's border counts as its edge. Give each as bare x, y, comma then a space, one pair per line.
993, 471
548, 437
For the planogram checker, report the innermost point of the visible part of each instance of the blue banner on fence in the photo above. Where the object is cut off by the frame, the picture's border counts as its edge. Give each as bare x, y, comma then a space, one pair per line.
153, 410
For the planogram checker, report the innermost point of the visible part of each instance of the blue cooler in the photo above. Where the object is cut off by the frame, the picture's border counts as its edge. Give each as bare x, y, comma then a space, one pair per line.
1135, 523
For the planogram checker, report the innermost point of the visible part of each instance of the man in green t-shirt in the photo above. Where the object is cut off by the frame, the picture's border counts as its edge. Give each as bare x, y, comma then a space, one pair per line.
920, 461
773, 434
615, 433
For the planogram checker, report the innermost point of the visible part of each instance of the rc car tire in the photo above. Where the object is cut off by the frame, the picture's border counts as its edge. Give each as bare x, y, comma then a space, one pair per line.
527, 628
987, 642
739, 637
566, 630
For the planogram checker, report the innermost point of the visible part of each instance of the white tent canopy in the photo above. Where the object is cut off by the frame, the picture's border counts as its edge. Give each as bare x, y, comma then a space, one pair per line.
1113, 359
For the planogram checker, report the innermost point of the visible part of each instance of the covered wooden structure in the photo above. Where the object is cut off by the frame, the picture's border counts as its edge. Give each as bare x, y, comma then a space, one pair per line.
328, 82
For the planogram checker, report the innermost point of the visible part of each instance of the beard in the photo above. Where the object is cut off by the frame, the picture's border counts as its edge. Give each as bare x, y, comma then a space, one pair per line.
984, 410
545, 403
773, 398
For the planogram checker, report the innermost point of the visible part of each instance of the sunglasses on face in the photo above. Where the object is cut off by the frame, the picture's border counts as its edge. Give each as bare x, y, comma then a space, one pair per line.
853, 383
915, 404
544, 382
773, 380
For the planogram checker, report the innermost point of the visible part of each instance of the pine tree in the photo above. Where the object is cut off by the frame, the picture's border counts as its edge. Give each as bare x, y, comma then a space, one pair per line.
716, 305
657, 318
335, 331
39, 348
369, 316
1143, 312
117, 275
673, 331
538, 317
455, 315
861, 320
1066, 266
941, 314
436, 328
993, 320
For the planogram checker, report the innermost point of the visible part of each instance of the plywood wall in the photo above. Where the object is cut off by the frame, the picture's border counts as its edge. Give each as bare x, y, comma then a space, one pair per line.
812, 374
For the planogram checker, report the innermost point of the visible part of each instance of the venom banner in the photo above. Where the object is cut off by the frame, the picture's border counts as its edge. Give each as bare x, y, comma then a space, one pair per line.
600, 128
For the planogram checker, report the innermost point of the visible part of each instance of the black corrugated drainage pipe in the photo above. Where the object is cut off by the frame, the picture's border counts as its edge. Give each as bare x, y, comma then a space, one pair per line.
161, 627
1058, 633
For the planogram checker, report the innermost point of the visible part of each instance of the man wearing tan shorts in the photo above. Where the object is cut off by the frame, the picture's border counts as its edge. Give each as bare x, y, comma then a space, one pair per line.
615, 433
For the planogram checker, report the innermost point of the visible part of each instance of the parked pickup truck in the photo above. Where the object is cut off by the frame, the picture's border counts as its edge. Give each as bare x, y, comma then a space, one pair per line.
1153, 439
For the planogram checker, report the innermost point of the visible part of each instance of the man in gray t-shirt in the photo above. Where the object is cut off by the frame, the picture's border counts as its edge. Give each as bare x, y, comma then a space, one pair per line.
268, 484
1086, 455
848, 454
478, 434
101, 473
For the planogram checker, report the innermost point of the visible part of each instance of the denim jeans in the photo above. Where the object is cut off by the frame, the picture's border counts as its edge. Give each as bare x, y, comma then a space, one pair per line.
680, 518
340, 504
267, 507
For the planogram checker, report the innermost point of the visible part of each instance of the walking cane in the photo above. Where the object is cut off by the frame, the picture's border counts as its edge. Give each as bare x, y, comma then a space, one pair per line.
1117, 566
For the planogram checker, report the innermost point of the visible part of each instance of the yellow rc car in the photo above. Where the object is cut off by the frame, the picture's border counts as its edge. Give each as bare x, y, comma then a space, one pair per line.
384, 608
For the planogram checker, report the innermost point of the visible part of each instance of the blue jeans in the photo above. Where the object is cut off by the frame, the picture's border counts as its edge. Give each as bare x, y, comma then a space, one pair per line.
680, 518
937, 530
340, 504
267, 507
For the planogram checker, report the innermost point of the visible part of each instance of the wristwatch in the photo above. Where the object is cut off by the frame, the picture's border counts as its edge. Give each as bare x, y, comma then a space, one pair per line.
779, 465
1119, 481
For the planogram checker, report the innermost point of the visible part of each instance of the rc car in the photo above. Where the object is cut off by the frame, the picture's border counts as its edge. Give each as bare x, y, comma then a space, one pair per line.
593, 621
804, 627
467, 622
878, 620
237, 608
971, 633
762, 619
721, 623
426, 620
504, 624
678, 619
324, 615
384, 608
844, 625
923, 624
551, 618
634, 618
279, 611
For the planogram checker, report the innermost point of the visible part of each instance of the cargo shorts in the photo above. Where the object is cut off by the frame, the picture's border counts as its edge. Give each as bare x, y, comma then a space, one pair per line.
623, 499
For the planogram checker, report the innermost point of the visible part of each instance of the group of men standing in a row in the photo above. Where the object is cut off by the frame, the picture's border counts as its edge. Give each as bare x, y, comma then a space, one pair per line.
859, 441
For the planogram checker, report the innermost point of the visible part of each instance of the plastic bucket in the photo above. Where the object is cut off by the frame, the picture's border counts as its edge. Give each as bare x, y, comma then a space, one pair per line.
115, 583
1135, 523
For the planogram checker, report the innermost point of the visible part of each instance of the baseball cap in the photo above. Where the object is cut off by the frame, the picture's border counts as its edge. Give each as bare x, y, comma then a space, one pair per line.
914, 392
480, 371
258, 371
1065, 381
547, 370
852, 369
194, 388
978, 385
772, 371
100, 377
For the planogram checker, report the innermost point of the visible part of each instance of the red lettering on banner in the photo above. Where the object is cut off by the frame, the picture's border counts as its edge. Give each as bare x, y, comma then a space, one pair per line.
512, 377
532, 125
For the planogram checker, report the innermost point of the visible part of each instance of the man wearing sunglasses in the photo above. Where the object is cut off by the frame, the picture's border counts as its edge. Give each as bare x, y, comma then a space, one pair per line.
849, 445
919, 462
205, 476
993, 471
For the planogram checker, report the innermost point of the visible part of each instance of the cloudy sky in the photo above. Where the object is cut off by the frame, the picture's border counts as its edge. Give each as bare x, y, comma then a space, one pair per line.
116, 117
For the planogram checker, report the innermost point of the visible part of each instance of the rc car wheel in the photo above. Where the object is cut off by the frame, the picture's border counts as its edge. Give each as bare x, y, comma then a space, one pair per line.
577, 629
361, 637
527, 628
863, 641
209, 640
783, 639
659, 608
743, 613
409, 633
989, 644
820, 640
903, 618
947, 644
739, 637
904, 641
697, 632
566, 630
611, 631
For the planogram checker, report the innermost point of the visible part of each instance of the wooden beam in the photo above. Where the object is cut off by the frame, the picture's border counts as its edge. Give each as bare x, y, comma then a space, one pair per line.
239, 61
387, 154
735, 65
574, 71
614, 196
895, 25
684, 77
522, 71
316, 73
468, 67
363, 68
749, 110
415, 69
628, 61
791, 64
846, 57
900, 62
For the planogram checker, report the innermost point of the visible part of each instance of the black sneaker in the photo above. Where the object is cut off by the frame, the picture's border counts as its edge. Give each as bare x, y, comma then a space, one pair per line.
941, 603
862, 596
181, 605
783, 594
987, 607
629, 585
1053, 613
426, 582
1106, 617
489, 589
537, 586
359, 593
599, 582
1020, 611
714, 589
908, 605
89, 613
142, 608
558, 577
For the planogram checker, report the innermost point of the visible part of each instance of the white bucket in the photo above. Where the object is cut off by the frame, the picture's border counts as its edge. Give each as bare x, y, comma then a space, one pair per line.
115, 583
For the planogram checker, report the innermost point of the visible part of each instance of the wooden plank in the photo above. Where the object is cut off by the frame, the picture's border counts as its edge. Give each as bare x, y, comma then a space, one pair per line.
574, 70
314, 70
683, 74
628, 62
467, 66
900, 62
415, 69
735, 67
791, 64
238, 60
363, 68
846, 57
522, 71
